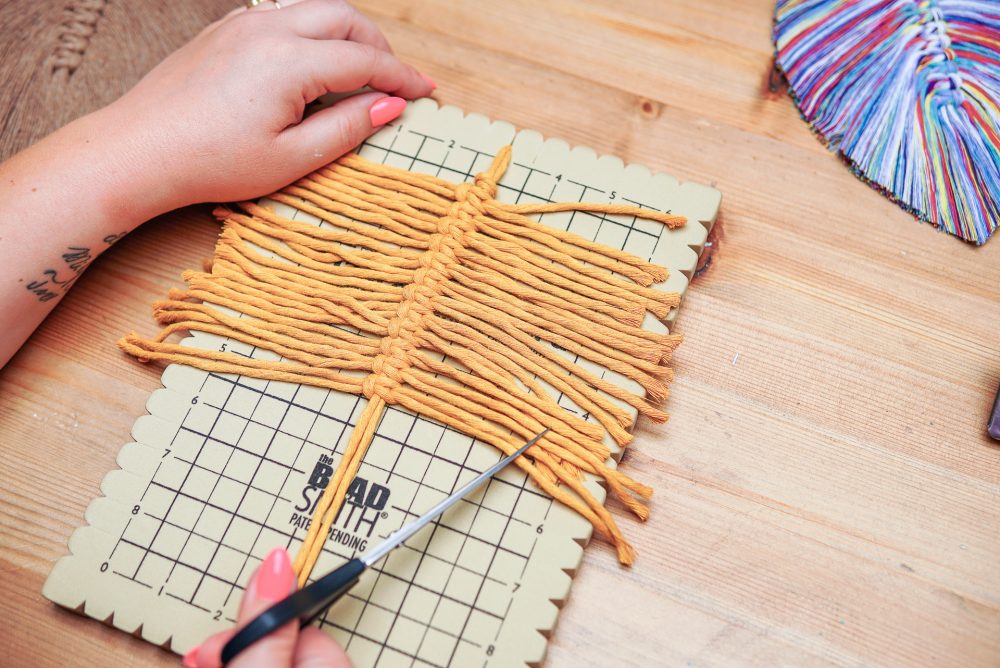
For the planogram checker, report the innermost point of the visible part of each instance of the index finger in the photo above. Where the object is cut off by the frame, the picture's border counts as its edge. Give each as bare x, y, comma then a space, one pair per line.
272, 581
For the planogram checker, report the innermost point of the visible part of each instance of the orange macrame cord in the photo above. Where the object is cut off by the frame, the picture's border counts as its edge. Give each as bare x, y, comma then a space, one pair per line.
420, 267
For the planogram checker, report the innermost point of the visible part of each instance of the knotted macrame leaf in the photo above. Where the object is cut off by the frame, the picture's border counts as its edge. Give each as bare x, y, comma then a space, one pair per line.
436, 297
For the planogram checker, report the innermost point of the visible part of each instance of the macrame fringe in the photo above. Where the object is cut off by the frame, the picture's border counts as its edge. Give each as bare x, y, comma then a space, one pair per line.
414, 267
907, 91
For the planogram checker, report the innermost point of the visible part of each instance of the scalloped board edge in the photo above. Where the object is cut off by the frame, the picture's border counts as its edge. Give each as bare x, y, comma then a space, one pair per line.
454, 145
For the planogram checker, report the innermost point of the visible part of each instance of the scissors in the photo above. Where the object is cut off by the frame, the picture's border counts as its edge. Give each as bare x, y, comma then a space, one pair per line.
311, 601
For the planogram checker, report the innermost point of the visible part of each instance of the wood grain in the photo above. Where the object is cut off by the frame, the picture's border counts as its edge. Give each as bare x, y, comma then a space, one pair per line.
826, 494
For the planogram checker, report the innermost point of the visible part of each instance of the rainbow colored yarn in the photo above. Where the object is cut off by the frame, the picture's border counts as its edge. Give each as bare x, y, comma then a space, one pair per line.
907, 91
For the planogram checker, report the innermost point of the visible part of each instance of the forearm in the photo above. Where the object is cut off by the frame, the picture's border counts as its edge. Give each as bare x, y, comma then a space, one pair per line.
63, 202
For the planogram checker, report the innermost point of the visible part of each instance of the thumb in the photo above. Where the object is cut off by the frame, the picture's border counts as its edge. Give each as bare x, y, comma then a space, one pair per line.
317, 649
273, 581
331, 132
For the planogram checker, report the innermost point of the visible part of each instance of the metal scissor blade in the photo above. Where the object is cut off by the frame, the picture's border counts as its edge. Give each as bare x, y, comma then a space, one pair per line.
309, 602
413, 527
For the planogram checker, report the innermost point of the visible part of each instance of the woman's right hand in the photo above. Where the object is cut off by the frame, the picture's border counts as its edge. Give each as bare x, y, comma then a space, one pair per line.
286, 648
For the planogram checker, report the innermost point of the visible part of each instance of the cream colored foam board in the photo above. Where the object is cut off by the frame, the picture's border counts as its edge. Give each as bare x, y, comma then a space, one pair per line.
222, 468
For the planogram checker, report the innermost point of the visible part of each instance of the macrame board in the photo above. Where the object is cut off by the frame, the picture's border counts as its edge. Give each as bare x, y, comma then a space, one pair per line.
220, 468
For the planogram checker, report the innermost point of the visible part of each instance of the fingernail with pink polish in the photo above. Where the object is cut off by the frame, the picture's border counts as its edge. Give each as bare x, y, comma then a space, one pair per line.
386, 109
190, 659
430, 82
275, 578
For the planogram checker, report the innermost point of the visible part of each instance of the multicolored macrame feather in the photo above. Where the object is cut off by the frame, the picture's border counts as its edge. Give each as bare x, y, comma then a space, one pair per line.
908, 92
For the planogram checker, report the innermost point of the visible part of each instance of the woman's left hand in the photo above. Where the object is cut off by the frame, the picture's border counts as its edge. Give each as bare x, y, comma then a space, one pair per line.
221, 119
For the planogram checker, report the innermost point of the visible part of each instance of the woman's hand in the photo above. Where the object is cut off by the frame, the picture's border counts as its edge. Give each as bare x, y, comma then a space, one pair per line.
285, 648
221, 119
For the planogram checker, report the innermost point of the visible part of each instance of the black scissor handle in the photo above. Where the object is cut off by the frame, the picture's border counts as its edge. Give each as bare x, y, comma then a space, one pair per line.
305, 605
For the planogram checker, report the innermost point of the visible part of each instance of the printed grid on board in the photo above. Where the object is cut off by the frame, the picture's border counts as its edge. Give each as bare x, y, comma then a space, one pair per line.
251, 456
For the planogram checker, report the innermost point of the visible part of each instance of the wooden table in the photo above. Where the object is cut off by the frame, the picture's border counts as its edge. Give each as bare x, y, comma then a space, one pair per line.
826, 494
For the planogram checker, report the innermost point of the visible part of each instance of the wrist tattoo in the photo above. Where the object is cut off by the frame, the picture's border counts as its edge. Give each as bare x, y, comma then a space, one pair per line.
55, 282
